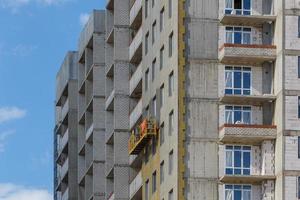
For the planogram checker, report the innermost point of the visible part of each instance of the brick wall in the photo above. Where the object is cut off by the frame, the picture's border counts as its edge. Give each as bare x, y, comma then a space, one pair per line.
291, 115
292, 162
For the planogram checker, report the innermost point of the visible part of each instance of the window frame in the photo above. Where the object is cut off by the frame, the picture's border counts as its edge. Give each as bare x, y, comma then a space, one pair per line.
171, 84
161, 19
242, 150
153, 32
242, 89
161, 57
154, 182
162, 95
171, 122
154, 106
244, 109
242, 190
171, 43
171, 162
234, 31
298, 107
153, 69
162, 133
298, 147
147, 82
234, 11
162, 172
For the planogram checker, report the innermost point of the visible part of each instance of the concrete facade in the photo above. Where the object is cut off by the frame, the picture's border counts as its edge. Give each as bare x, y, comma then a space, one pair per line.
190, 99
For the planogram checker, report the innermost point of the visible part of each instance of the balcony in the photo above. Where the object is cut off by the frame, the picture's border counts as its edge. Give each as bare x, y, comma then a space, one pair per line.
64, 169
89, 133
111, 36
135, 84
135, 114
256, 100
63, 141
135, 48
109, 105
110, 4
246, 54
65, 195
246, 179
136, 14
246, 134
246, 20
139, 138
65, 109
135, 188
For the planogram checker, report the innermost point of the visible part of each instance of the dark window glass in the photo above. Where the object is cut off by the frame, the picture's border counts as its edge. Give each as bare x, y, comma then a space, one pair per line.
299, 147
299, 187
299, 27
237, 4
247, 4
299, 107
237, 38
298, 66
237, 79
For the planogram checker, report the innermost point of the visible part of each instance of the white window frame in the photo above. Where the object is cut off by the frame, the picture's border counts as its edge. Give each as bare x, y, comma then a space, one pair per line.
234, 69
233, 110
232, 161
242, 185
242, 31
234, 11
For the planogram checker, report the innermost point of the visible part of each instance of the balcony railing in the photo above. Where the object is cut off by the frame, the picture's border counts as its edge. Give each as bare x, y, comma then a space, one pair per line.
65, 109
135, 49
136, 79
250, 54
63, 141
141, 135
64, 168
246, 134
65, 195
110, 101
136, 185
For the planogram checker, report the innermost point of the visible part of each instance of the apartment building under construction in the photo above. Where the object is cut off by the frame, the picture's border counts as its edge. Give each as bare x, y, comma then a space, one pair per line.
189, 99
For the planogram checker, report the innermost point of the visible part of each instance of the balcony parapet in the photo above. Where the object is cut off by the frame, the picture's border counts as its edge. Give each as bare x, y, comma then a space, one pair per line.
256, 100
136, 14
141, 135
246, 20
246, 179
135, 48
246, 134
246, 54
136, 185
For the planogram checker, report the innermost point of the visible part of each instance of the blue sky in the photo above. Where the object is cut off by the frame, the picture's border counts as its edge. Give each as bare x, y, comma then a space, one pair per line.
34, 37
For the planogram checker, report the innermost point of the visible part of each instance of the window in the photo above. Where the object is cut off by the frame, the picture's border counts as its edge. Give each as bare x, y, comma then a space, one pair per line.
298, 187
154, 106
298, 26
298, 66
154, 146
238, 160
171, 122
154, 182
146, 43
238, 7
171, 84
299, 107
146, 8
238, 114
147, 190
299, 147
153, 69
147, 154
162, 133
171, 195
171, 162
170, 8
171, 44
161, 19
238, 80
238, 35
162, 95
161, 57
153, 3
153, 32
161, 171
147, 79
238, 192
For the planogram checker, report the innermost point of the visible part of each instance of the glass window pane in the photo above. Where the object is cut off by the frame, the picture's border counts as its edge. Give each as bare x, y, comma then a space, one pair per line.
246, 159
228, 117
228, 91
246, 38
237, 159
237, 38
228, 79
237, 195
237, 79
228, 4
246, 195
237, 4
228, 194
246, 117
237, 116
247, 4
246, 80
228, 158
229, 37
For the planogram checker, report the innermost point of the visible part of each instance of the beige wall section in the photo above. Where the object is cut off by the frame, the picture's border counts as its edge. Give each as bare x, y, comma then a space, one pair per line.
292, 81
291, 160
291, 33
292, 122
290, 189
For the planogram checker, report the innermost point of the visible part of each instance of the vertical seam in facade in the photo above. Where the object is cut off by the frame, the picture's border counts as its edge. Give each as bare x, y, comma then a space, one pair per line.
181, 99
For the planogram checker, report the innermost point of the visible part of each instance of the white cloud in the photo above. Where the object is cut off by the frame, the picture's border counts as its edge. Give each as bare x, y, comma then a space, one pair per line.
10, 191
23, 50
83, 18
3, 137
14, 4
11, 113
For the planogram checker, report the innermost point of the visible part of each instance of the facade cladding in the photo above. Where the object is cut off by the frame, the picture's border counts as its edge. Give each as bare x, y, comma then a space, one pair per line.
183, 99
